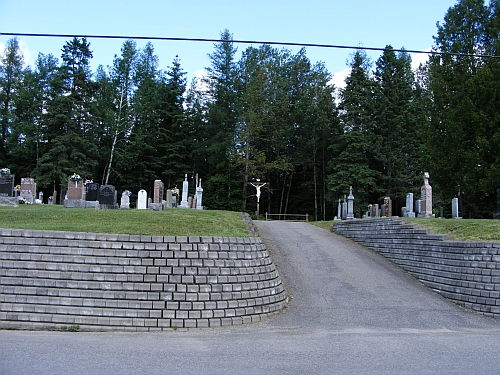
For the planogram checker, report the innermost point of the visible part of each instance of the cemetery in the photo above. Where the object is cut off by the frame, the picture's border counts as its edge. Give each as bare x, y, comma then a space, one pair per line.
87, 194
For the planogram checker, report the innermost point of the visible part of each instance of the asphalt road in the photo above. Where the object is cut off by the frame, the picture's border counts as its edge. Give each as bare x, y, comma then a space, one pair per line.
351, 312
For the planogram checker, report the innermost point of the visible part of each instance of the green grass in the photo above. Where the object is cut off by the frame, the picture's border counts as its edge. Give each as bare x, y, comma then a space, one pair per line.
171, 222
463, 229
460, 230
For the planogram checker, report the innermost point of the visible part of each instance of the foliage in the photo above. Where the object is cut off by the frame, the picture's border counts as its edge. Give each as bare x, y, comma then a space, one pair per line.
268, 114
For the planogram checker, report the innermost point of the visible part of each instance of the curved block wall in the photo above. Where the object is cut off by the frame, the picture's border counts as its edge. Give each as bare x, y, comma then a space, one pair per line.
52, 279
466, 272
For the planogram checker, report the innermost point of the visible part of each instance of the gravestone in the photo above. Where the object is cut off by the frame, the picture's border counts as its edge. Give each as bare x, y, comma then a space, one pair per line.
199, 196
92, 192
375, 211
339, 211
409, 205
350, 205
158, 191
76, 195
403, 212
440, 210
28, 189
344, 209
107, 196
157, 204
7, 185
426, 197
169, 198
185, 187
454, 209
417, 206
125, 201
190, 202
142, 200
388, 206
76, 190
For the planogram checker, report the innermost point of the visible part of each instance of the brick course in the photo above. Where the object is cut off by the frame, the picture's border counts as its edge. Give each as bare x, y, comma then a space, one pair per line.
466, 272
50, 279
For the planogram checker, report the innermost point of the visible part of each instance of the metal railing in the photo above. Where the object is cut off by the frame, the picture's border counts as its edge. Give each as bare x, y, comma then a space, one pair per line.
292, 217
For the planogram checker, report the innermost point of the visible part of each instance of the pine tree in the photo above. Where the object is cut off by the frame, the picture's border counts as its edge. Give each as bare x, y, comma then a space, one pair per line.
353, 161
221, 120
70, 135
397, 124
11, 75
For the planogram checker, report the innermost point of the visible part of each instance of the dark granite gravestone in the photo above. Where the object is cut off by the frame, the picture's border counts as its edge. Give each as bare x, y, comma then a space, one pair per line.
7, 185
92, 192
107, 196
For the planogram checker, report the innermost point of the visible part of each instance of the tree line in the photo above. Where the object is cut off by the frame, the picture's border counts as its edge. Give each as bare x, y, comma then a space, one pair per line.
266, 114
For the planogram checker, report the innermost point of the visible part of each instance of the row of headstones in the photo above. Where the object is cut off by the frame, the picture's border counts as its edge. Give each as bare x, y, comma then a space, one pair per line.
26, 193
91, 195
375, 210
345, 209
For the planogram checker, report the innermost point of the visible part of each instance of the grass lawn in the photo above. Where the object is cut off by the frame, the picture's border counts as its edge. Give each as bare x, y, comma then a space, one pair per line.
458, 229
171, 222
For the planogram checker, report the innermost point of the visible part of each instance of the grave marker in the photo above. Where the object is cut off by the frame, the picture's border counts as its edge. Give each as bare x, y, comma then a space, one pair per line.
454, 209
125, 201
185, 187
426, 197
76, 190
92, 192
7, 185
107, 196
142, 200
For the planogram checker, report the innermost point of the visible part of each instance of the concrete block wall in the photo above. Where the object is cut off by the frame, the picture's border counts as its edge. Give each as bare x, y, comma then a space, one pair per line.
52, 279
466, 272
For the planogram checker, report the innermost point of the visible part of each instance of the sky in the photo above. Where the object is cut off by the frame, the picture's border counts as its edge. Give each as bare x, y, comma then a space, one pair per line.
368, 23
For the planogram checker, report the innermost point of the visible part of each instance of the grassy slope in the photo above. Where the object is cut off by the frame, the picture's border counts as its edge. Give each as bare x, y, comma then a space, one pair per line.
462, 230
171, 222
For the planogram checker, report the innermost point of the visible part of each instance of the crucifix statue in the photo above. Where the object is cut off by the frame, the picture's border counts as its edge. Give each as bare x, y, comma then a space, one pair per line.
258, 185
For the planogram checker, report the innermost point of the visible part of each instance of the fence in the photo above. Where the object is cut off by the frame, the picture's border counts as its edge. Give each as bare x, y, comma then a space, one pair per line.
292, 217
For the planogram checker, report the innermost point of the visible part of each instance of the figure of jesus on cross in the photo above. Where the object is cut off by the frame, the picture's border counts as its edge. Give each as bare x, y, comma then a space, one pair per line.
258, 185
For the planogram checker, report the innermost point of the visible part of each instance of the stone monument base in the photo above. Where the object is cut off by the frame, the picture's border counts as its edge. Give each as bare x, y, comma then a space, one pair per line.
74, 203
108, 206
156, 206
426, 216
92, 204
8, 201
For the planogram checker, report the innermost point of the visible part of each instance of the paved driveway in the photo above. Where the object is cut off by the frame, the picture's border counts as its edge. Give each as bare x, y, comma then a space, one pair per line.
352, 312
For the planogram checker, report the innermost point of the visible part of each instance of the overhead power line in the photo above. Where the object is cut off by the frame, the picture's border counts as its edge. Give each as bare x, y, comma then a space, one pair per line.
245, 42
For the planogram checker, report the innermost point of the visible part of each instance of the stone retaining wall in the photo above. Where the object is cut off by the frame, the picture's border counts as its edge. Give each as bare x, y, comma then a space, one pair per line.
51, 279
466, 272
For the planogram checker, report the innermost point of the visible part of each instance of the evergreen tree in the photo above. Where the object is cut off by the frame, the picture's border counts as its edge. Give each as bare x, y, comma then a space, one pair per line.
141, 159
221, 121
70, 135
461, 144
353, 160
174, 147
397, 125
11, 76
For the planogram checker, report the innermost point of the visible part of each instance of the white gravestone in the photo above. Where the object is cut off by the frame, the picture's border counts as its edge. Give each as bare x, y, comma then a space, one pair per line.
185, 187
125, 201
199, 196
142, 200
